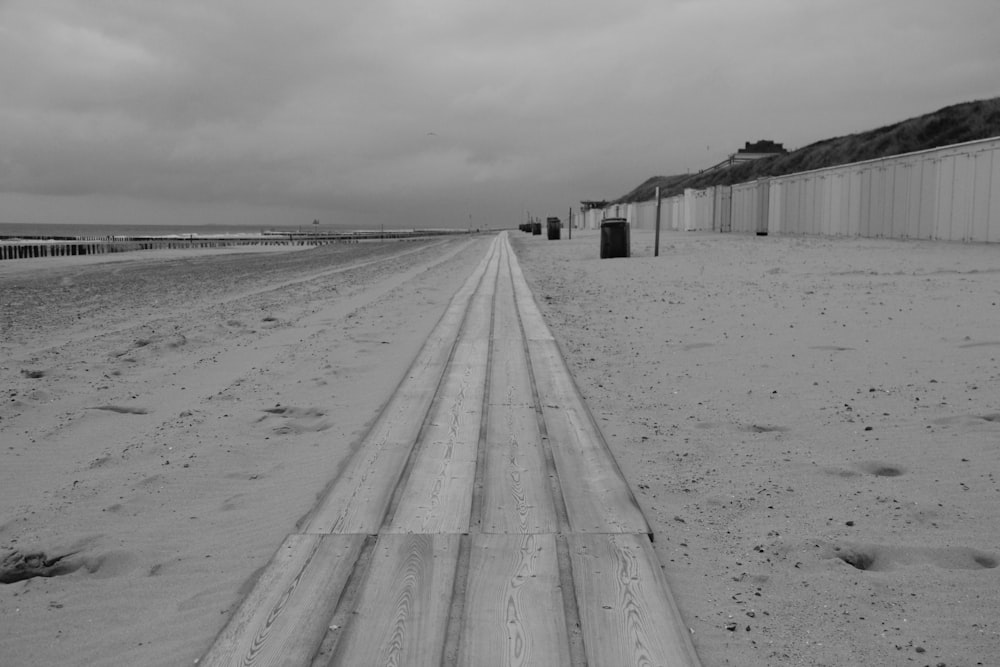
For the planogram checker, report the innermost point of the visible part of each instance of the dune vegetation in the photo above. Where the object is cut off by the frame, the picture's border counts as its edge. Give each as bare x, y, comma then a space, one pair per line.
954, 124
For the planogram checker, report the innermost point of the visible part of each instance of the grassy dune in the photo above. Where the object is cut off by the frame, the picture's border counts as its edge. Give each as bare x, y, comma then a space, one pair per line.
951, 125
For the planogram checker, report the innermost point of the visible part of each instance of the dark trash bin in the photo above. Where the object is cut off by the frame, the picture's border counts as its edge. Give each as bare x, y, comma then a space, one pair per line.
553, 227
536, 228
615, 238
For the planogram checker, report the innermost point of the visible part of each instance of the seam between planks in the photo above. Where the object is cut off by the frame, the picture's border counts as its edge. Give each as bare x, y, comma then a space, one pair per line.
476, 509
402, 482
434, 571
329, 514
571, 610
555, 484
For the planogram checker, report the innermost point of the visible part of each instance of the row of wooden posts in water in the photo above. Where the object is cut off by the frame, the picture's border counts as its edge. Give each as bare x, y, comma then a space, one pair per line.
22, 248
28, 250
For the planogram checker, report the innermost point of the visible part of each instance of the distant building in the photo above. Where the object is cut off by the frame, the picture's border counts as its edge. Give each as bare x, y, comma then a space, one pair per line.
756, 150
750, 151
763, 147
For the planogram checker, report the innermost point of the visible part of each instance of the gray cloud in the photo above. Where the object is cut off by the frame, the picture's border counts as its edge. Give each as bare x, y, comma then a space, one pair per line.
422, 113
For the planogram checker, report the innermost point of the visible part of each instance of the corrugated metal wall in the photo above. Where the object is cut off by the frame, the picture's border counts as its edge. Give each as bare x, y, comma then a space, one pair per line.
950, 193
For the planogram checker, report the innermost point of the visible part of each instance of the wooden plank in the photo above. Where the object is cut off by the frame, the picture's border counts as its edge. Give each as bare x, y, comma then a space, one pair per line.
506, 322
531, 317
285, 616
598, 499
358, 500
437, 496
627, 614
517, 494
404, 603
514, 610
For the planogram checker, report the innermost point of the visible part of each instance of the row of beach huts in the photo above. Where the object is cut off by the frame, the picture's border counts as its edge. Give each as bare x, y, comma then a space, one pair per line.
950, 194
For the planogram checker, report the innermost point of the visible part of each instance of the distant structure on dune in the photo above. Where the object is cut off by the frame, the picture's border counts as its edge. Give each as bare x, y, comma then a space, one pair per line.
750, 151
759, 149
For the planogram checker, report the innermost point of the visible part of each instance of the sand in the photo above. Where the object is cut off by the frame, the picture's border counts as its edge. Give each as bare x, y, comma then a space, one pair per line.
789, 410
167, 420
786, 410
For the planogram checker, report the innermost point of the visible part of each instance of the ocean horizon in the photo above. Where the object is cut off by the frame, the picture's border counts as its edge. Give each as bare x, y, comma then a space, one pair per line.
52, 230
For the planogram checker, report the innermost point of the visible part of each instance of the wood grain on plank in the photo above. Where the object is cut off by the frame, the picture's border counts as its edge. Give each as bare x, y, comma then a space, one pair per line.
627, 614
404, 604
517, 494
598, 499
513, 609
531, 317
506, 321
437, 495
285, 616
358, 500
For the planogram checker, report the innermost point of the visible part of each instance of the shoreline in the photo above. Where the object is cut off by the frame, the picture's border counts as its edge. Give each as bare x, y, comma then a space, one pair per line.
28, 247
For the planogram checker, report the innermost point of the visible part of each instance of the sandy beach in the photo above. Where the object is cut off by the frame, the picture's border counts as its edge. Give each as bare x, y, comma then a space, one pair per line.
789, 410
809, 424
167, 420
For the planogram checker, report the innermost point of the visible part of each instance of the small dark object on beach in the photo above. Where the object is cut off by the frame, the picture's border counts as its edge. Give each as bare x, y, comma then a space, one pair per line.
17, 566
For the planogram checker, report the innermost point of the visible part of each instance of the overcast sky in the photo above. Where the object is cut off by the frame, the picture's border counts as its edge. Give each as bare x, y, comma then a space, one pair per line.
422, 113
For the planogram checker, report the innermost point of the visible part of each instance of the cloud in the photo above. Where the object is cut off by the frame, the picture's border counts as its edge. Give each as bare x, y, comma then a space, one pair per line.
326, 107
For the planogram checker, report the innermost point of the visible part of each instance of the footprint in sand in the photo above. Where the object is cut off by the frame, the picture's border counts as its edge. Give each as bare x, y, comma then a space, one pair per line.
880, 469
121, 409
18, 566
297, 420
880, 558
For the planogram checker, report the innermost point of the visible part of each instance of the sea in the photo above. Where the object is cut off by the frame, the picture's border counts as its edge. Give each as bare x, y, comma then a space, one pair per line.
55, 230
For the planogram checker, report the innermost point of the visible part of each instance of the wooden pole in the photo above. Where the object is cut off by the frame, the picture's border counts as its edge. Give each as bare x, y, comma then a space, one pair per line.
656, 242
569, 223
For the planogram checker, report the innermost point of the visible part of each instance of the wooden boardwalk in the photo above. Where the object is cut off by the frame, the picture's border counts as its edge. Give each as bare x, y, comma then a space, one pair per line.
483, 521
